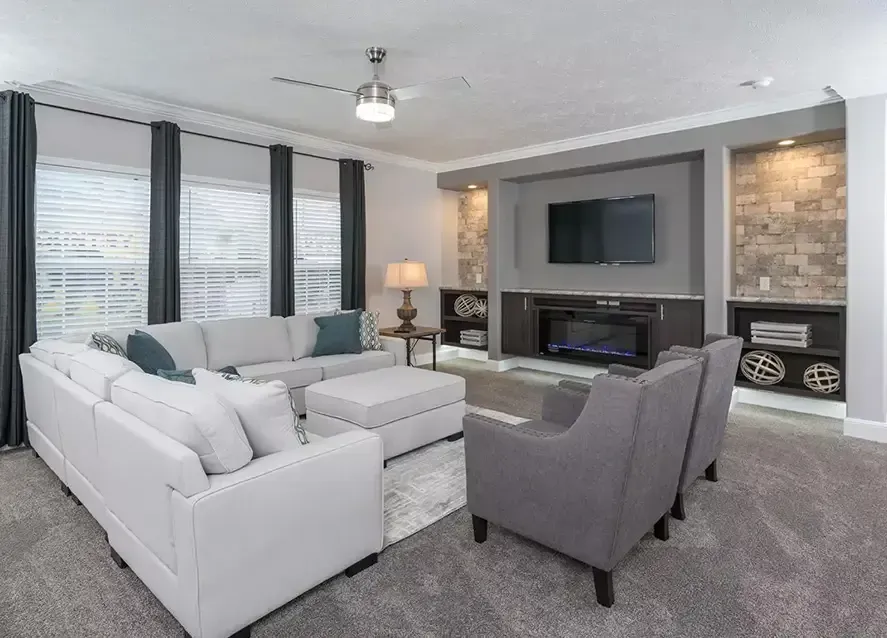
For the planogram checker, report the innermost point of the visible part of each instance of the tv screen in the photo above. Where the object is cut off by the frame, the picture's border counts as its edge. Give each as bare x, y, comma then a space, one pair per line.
618, 230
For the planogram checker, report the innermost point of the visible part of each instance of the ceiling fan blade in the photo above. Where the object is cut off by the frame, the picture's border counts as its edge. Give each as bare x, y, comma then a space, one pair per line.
316, 86
431, 89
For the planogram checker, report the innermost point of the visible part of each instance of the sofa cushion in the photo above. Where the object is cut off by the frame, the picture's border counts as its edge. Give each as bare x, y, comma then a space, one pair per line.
302, 332
264, 407
295, 374
148, 353
193, 417
373, 399
340, 365
96, 371
245, 341
339, 334
57, 353
183, 341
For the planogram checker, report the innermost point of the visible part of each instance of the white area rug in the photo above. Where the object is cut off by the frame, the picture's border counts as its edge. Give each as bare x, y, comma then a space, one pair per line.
425, 485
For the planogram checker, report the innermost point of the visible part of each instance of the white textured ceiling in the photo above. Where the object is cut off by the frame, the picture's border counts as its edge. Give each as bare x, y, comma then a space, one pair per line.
540, 71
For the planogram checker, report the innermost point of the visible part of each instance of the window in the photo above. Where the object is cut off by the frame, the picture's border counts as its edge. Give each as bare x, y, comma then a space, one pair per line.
92, 231
224, 252
317, 235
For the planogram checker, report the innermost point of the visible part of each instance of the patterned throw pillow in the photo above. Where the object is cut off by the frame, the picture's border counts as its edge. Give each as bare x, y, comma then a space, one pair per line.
297, 421
368, 329
107, 343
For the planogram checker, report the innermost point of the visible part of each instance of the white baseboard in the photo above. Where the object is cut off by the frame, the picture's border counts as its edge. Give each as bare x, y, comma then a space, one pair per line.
448, 353
819, 407
554, 367
868, 430
502, 365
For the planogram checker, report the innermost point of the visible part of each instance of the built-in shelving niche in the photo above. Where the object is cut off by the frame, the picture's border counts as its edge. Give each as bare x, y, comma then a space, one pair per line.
453, 323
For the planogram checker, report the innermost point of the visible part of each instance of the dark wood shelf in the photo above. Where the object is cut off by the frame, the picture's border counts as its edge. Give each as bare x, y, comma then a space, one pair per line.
482, 320
812, 351
787, 389
456, 344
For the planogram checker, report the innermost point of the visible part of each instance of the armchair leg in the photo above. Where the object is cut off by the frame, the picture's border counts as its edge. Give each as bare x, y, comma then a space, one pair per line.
711, 472
660, 529
118, 560
361, 565
603, 586
677, 508
480, 528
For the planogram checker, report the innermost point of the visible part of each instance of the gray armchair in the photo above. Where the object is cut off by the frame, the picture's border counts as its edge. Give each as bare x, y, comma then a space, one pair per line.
587, 484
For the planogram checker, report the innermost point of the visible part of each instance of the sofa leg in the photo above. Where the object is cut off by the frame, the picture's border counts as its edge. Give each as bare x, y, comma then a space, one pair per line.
677, 508
361, 565
117, 559
603, 586
480, 528
105, 536
243, 633
384, 464
660, 529
66, 490
456, 436
711, 472
35, 453
75, 499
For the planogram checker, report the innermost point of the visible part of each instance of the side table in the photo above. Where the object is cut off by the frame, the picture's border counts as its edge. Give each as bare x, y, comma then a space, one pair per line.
421, 333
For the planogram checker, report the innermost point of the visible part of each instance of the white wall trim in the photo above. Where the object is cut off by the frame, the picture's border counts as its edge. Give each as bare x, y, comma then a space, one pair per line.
868, 430
99, 167
758, 109
153, 109
554, 367
766, 399
503, 365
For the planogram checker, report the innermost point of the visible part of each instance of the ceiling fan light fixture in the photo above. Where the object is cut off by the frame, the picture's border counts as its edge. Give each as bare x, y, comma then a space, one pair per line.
374, 110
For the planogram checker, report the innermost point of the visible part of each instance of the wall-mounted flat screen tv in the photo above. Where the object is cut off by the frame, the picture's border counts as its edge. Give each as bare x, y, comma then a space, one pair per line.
617, 230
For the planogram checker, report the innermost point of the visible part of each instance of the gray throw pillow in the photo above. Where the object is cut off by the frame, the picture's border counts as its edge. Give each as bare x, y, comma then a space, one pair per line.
338, 334
147, 353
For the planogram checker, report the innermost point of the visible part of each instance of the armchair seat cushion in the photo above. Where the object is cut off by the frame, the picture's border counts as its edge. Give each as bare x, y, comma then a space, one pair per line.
295, 374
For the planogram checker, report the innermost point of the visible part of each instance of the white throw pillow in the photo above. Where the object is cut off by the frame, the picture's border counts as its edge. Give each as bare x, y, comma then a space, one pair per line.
193, 417
264, 409
97, 371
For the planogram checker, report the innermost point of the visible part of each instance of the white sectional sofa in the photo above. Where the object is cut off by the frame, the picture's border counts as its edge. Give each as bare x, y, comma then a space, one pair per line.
220, 550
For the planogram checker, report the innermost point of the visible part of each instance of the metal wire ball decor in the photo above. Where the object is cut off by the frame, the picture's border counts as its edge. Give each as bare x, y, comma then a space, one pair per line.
762, 367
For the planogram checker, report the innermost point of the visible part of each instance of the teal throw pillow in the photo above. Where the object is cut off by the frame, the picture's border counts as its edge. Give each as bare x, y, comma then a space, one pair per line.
147, 353
187, 376
338, 334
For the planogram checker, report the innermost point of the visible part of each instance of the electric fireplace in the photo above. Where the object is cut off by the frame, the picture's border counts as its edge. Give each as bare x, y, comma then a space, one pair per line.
589, 336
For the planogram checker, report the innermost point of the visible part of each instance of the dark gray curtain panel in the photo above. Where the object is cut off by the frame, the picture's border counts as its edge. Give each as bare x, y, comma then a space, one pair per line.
164, 284
18, 291
353, 204
283, 287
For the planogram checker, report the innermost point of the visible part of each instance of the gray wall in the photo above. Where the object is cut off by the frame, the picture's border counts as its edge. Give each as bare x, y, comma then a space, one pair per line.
678, 189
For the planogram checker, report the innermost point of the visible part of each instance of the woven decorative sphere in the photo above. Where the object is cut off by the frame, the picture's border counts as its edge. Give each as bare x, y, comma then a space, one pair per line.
823, 378
762, 367
465, 305
480, 310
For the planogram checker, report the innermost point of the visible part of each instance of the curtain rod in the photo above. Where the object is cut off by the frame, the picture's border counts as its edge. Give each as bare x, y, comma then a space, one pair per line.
366, 165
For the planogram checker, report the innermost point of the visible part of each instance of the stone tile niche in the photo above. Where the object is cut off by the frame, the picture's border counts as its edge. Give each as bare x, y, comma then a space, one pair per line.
790, 221
472, 233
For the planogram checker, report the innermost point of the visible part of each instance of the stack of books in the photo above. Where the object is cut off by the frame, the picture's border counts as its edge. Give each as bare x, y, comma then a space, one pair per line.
772, 333
473, 337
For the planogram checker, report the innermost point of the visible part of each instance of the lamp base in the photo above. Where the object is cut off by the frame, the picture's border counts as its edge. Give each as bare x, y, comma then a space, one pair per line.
406, 313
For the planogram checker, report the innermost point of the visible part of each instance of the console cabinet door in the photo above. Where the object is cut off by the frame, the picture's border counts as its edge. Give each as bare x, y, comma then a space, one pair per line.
517, 338
679, 324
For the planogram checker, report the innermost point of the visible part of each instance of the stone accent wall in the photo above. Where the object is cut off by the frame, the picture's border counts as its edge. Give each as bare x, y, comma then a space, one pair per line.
473, 238
791, 210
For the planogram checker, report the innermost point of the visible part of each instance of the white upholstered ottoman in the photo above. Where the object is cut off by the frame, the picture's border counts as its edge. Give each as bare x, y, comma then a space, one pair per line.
407, 407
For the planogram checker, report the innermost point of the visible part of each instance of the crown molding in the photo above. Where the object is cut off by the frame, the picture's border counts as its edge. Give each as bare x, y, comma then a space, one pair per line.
156, 109
792, 103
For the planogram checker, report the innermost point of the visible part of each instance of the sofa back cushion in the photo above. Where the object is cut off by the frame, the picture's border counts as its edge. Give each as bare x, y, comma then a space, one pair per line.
97, 371
245, 341
57, 353
302, 330
191, 416
183, 341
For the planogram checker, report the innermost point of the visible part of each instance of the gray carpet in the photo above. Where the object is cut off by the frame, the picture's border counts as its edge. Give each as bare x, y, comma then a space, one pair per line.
790, 542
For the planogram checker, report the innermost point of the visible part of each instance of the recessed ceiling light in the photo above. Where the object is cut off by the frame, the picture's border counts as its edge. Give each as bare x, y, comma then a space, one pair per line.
786, 142
472, 186
759, 83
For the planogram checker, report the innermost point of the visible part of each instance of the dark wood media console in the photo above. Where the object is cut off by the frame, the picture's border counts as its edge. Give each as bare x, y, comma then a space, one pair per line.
598, 330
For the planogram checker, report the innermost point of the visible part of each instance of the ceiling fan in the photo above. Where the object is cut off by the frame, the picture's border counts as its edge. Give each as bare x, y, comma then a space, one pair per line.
376, 99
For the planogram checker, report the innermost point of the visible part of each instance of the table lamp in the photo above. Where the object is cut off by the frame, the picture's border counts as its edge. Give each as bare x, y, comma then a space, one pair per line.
406, 275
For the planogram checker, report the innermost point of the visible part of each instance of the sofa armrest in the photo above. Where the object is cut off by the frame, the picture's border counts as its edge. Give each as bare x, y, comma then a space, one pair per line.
263, 535
397, 347
625, 371
563, 403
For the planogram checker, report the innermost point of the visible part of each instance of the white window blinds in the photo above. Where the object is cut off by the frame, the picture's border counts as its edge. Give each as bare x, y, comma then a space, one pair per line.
317, 235
92, 232
224, 252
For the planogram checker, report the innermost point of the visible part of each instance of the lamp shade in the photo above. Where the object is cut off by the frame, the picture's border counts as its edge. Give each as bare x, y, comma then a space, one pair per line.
406, 275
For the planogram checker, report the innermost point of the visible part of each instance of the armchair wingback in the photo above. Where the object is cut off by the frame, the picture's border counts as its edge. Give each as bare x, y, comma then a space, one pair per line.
593, 488
720, 355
